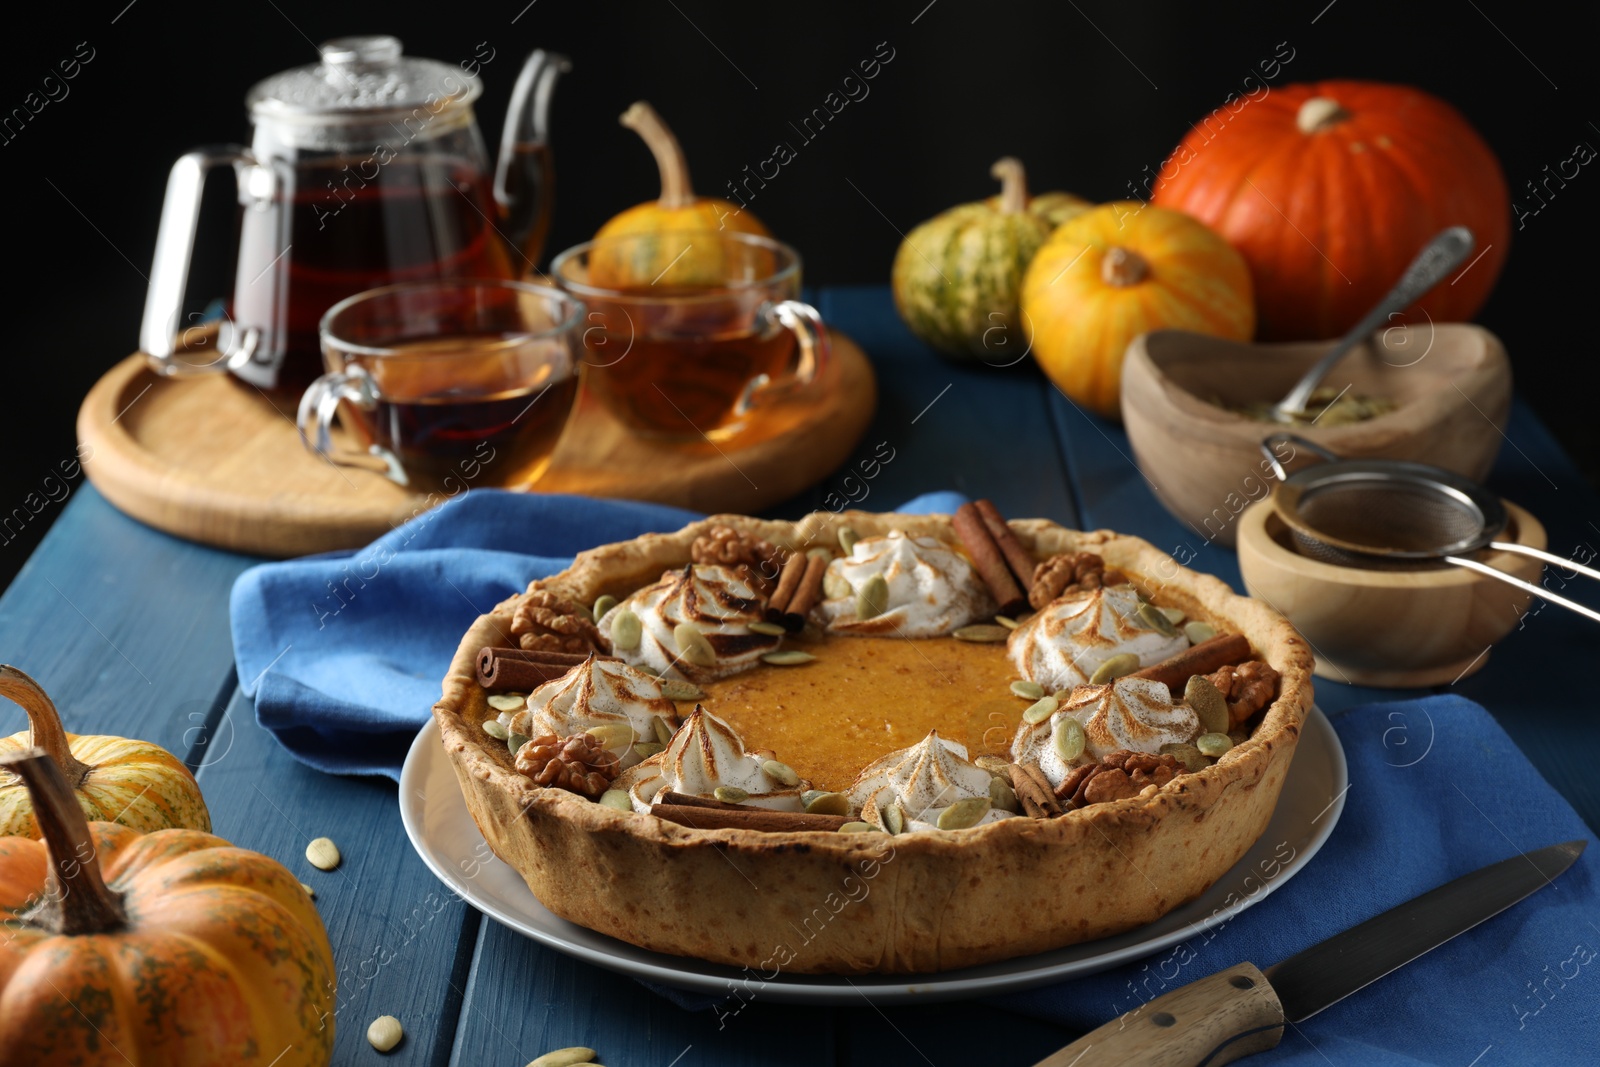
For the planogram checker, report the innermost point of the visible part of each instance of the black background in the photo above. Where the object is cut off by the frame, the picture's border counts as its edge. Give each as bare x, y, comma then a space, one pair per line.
1087, 92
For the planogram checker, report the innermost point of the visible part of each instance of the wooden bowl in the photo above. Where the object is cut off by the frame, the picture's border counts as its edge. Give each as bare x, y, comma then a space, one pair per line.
1388, 627
1452, 382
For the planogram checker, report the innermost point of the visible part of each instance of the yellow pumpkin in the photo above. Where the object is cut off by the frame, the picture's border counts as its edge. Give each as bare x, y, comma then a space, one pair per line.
1120, 270
170, 949
117, 779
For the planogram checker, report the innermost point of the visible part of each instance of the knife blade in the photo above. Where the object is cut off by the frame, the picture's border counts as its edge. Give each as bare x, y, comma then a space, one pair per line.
1242, 1010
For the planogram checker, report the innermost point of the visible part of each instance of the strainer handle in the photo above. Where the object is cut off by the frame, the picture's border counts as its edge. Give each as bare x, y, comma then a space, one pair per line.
1549, 557
1273, 442
1529, 587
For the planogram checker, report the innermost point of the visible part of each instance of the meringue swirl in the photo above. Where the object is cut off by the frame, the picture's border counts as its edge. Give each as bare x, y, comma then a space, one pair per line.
1136, 714
704, 754
932, 588
924, 779
598, 692
717, 601
1062, 645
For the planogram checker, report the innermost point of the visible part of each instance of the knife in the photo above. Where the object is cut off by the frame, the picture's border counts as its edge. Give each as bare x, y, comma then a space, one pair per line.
1242, 1010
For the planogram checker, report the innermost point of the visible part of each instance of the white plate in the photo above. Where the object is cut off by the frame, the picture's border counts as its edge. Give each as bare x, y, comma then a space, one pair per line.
448, 841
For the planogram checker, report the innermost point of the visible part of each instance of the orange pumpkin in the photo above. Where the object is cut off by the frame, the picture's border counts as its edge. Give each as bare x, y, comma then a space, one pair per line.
1330, 189
170, 949
1120, 270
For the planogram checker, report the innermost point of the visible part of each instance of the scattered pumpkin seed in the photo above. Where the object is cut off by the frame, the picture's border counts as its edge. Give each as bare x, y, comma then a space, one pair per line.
384, 1033
1208, 703
809, 795
1040, 710
646, 749
829, 804
1118, 666
673, 689
819, 553
730, 794
856, 828
613, 735
835, 586
626, 630
872, 599
847, 540
994, 764
769, 629
515, 741
496, 729
692, 645
603, 605
508, 701
1007, 621
1027, 690
1213, 744
789, 657
982, 633
617, 798
1192, 758
1002, 796
662, 730
893, 817
1198, 632
780, 772
1174, 615
1069, 739
312, 893
1156, 619
964, 813
565, 1057
323, 854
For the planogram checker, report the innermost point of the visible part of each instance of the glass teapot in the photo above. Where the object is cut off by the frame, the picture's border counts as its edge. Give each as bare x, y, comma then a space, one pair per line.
366, 168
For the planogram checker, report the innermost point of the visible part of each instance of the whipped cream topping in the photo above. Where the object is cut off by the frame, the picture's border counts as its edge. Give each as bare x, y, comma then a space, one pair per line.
1136, 714
597, 692
932, 588
704, 754
715, 600
1062, 645
924, 779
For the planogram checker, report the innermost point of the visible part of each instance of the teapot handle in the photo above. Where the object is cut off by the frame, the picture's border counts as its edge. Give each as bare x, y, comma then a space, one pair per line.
159, 336
524, 179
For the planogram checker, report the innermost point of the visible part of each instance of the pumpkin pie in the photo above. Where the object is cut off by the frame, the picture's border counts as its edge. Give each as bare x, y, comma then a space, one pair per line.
825, 747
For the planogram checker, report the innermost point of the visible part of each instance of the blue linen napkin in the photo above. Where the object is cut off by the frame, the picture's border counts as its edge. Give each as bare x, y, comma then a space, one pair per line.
344, 652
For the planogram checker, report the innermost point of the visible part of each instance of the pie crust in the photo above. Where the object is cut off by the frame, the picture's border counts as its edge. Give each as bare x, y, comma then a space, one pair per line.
816, 902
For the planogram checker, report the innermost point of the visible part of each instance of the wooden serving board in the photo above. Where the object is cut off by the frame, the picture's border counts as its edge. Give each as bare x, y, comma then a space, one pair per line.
215, 460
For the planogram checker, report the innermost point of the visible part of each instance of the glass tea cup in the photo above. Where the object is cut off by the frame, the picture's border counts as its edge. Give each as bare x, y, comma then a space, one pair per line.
687, 333
445, 385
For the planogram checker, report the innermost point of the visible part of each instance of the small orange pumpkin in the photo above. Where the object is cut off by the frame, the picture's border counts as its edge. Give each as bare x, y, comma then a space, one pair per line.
1120, 270
170, 949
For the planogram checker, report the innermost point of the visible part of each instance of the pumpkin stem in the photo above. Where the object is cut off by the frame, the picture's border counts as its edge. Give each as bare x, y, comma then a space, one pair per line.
1122, 266
1320, 113
76, 898
1013, 185
46, 731
642, 119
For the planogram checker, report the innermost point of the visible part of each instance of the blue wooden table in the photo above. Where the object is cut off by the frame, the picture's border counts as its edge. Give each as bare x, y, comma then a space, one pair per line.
128, 629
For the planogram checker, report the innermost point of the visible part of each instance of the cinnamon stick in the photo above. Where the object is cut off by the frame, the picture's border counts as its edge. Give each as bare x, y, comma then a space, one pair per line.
1220, 651
765, 819
1033, 789
518, 669
689, 800
794, 568
1019, 559
988, 560
806, 596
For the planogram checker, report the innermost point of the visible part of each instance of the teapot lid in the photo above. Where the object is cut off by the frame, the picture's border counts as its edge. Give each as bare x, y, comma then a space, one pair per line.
359, 79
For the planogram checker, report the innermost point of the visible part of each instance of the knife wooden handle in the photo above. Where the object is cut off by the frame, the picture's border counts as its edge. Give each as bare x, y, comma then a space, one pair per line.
1216, 1020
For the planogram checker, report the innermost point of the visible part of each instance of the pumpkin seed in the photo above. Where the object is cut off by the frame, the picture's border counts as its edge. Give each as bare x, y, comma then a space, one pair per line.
1174, 615
515, 741
662, 730
646, 749
323, 854
618, 799
780, 772
1069, 739
828, 804
626, 630
1192, 758
893, 818
768, 629
835, 586
730, 794
819, 553
508, 701
993, 764
1118, 666
1213, 744
1027, 690
847, 540
496, 729
856, 828
1007, 621
964, 813
673, 689
603, 605
1002, 796
384, 1033
872, 599
613, 735
982, 633
1198, 632
565, 1057
1040, 710
692, 645
312, 893
583, 611
1208, 703
790, 657
1155, 619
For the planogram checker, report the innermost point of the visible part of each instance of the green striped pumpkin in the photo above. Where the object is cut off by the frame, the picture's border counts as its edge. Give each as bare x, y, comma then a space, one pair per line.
957, 276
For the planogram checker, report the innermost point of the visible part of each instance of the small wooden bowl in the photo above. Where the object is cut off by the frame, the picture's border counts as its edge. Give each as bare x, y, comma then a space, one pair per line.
1388, 627
1452, 382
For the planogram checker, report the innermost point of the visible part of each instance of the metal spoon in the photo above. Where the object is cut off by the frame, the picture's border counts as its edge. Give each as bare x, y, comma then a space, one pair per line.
1441, 256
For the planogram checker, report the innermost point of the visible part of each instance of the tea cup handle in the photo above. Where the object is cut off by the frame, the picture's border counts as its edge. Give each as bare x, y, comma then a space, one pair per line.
318, 406
805, 322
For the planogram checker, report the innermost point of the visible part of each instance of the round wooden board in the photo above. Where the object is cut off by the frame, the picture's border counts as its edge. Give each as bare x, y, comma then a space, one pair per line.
214, 460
